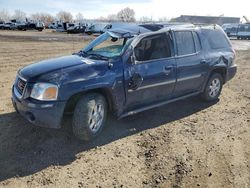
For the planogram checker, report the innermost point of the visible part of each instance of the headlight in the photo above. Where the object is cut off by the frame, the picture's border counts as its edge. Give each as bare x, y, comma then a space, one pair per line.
44, 92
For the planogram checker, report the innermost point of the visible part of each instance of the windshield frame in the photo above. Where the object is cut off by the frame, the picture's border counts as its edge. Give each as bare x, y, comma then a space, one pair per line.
130, 38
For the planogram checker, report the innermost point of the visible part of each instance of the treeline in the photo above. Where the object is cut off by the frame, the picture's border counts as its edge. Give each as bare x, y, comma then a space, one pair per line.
124, 15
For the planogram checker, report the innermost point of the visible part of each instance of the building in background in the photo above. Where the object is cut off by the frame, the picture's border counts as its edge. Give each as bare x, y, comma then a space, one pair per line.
220, 20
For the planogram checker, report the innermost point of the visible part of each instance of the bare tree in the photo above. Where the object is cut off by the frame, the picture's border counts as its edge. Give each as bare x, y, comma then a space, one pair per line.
79, 17
47, 18
19, 15
164, 19
64, 16
126, 15
44, 17
35, 16
4, 15
145, 19
112, 17
101, 18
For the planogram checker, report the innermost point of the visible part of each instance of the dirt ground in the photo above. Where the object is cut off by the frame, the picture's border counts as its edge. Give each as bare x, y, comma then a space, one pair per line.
185, 144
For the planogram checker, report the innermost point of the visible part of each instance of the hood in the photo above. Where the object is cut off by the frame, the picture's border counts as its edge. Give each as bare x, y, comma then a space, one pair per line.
51, 65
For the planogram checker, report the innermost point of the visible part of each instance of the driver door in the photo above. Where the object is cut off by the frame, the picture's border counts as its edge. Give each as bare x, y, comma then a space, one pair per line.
152, 76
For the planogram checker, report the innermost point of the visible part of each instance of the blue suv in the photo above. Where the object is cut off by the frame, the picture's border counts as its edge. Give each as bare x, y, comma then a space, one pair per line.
125, 71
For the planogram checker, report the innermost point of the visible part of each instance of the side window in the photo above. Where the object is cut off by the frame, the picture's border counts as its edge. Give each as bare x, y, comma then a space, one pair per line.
184, 42
244, 28
247, 28
197, 42
153, 47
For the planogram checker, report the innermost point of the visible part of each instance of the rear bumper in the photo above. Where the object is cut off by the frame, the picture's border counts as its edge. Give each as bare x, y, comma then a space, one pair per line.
231, 71
43, 114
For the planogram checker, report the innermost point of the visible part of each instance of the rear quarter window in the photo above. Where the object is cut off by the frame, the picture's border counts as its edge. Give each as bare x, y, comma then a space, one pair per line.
217, 39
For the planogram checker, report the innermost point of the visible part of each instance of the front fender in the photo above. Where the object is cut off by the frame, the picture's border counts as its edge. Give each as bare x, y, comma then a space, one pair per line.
108, 81
112, 91
81, 86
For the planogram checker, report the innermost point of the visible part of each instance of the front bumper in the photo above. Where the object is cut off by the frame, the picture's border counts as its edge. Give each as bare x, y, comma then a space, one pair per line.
231, 71
44, 114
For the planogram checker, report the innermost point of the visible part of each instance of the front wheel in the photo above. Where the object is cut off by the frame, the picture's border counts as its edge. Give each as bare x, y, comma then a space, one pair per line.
213, 87
89, 116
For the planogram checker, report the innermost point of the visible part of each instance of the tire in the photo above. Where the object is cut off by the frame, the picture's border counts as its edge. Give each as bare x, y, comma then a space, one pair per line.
213, 87
89, 116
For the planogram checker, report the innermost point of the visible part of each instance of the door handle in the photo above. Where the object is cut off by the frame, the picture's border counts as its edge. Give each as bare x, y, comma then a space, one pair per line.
203, 61
168, 69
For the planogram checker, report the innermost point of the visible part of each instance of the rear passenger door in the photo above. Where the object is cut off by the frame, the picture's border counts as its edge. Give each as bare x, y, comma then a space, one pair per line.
191, 67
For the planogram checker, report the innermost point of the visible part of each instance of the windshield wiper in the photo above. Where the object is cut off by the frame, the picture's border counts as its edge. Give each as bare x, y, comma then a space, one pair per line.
98, 56
81, 53
85, 54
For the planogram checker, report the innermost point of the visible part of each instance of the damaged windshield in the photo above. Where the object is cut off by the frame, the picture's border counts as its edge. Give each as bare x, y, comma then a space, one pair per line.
107, 45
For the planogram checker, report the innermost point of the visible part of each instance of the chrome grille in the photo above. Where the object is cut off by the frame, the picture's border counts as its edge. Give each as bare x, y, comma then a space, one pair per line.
20, 85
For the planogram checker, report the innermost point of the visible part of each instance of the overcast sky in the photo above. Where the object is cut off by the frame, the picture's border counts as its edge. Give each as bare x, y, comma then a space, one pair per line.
150, 8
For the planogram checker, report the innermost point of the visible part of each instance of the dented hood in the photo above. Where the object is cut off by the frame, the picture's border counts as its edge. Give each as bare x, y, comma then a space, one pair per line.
51, 65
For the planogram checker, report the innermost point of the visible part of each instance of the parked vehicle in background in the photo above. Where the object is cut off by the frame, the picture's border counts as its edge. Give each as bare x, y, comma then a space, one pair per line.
1, 24
31, 26
63, 26
243, 31
125, 71
40, 26
9, 26
116, 25
76, 29
69, 25
58, 26
231, 29
53, 25
97, 28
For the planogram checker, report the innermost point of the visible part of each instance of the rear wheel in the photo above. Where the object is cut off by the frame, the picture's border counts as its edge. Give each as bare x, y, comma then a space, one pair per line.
89, 116
213, 87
